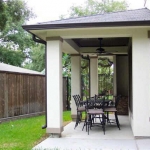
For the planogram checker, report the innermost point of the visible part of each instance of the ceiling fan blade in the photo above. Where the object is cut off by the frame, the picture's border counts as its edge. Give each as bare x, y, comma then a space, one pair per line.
105, 53
100, 49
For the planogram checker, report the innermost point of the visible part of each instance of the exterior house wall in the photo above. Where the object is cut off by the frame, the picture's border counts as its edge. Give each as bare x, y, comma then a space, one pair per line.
141, 83
130, 84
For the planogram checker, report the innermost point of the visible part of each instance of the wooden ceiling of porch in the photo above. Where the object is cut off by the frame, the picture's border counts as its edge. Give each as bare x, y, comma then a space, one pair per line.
106, 42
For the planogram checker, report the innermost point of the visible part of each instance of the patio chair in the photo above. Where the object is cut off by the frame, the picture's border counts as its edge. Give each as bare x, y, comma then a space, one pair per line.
91, 114
113, 109
80, 108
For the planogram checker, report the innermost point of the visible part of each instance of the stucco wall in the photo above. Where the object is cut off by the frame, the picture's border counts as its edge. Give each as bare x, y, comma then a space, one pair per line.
141, 82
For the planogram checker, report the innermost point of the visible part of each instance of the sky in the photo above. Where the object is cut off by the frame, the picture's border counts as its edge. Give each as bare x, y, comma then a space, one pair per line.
47, 10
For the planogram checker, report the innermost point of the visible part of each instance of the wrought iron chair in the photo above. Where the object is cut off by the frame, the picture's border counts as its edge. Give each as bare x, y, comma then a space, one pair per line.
80, 108
113, 109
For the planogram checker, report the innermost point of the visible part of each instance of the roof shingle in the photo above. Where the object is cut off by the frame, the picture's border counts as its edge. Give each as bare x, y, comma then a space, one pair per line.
120, 16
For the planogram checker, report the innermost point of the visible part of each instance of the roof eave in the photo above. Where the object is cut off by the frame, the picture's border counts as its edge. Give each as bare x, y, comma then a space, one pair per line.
85, 25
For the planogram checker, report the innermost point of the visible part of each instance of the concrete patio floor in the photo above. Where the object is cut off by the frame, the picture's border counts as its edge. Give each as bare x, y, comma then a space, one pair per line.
114, 139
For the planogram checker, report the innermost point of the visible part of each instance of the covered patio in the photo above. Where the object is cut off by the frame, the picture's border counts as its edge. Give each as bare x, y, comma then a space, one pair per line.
114, 139
125, 38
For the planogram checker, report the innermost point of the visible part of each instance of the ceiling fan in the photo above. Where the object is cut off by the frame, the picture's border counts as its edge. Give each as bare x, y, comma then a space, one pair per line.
101, 50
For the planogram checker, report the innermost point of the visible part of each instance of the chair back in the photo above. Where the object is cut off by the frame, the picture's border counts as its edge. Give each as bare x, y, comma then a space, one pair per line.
77, 100
103, 103
90, 103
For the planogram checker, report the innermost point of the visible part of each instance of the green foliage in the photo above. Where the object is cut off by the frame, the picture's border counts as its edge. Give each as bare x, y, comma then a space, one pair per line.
11, 57
13, 39
114, 6
66, 63
37, 58
3, 16
12, 12
93, 7
67, 116
85, 77
105, 72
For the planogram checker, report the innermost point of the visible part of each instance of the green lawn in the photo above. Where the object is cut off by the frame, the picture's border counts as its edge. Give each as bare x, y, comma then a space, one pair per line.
25, 133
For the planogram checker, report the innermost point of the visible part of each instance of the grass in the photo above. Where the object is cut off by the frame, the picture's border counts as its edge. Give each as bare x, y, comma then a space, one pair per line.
25, 133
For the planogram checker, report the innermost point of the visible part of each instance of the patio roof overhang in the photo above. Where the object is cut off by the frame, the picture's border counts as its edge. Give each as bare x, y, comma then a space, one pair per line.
78, 33
85, 25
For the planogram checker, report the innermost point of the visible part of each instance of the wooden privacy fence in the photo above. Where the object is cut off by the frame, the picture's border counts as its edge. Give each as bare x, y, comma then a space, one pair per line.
21, 94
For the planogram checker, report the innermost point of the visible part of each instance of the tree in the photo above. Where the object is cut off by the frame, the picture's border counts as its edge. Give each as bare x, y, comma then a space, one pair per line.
13, 11
92, 7
11, 57
105, 72
14, 41
66, 63
37, 58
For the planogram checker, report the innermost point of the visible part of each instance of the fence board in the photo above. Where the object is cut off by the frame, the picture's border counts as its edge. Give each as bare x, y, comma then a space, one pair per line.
10, 95
2, 95
6, 95
25, 95
31, 95
38, 96
42, 93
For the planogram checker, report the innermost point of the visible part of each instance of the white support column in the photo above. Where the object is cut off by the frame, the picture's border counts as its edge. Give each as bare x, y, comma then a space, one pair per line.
114, 76
93, 76
75, 82
54, 86
141, 83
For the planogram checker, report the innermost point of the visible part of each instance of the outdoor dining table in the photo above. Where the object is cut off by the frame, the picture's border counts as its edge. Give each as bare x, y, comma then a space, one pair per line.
92, 103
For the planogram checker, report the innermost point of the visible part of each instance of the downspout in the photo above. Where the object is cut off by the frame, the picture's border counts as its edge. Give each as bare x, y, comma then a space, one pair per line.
43, 42
88, 58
